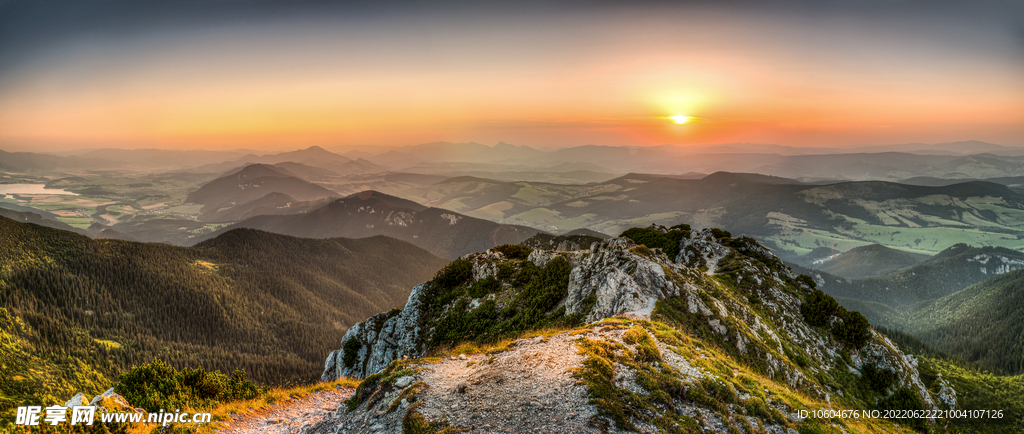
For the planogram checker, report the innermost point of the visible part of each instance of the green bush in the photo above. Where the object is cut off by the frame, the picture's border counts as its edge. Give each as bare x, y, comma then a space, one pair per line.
158, 386
854, 330
541, 288
878, 380
720, 234
446, 286
351, 348
453, 274
655, 239
818, 307
483, 287
514, 251
905, 399
807, 280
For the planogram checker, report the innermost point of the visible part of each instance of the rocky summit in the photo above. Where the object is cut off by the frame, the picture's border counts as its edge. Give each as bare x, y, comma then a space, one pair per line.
622, 338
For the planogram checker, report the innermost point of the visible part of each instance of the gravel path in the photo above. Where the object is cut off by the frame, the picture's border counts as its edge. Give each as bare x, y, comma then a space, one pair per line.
293, 415
530, 387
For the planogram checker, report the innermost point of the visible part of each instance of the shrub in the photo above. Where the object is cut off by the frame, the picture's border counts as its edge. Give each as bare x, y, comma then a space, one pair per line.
531, 307
655, 239
818, 307
905, 399
453, 274
158, 386
720, 234
514, 251
351, 348
807, 280
854, 330
483, 287
446, 285
878, 380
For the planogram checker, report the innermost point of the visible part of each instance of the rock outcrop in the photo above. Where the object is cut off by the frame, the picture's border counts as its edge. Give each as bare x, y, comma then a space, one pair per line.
109, 400
720, 292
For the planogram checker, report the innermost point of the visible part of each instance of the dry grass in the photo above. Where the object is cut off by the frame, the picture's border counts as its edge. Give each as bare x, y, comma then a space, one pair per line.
470, 348
224, 412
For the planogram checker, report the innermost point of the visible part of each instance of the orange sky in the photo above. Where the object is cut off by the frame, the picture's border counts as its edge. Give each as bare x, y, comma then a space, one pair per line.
605, 77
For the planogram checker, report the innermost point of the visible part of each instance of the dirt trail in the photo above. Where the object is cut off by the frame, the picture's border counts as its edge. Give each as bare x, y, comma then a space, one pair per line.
293, 415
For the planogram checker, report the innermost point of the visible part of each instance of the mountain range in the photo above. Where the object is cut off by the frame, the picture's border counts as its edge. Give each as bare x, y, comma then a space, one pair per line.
791, 216
442, 232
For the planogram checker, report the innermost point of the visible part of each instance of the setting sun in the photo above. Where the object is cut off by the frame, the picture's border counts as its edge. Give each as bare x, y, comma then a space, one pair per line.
680, 119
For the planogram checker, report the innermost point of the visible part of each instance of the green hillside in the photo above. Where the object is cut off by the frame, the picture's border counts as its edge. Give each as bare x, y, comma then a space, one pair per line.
872, 260
947, 272
981, 324
266, 303
976, 388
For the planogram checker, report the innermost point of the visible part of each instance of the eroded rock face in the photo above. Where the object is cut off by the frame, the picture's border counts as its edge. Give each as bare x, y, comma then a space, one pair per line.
701, 250
382, 338
616, 281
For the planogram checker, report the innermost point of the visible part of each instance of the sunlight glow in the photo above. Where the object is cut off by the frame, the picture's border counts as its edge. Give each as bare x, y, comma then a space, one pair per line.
680, 119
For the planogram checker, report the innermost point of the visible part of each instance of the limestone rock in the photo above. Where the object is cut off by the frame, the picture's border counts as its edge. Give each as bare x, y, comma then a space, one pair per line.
111, 400
616, 281
77, 400
701, 250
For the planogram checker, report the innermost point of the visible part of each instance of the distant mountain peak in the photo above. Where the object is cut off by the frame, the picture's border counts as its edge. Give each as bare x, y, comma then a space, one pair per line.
258, 170
373, 197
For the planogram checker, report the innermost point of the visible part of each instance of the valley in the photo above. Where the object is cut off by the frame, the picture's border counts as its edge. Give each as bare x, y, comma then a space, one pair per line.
276, 260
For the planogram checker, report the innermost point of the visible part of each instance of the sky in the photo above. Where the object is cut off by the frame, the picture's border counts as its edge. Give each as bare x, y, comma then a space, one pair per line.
259, 74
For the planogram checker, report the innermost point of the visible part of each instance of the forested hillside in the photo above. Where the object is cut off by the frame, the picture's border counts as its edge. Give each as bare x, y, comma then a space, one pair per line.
270, 304
945, 273
981, 324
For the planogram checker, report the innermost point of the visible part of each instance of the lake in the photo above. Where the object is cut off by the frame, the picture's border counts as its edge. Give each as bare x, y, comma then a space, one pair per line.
31, 189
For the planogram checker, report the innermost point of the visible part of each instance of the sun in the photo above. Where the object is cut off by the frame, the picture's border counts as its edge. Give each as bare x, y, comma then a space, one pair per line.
680, 119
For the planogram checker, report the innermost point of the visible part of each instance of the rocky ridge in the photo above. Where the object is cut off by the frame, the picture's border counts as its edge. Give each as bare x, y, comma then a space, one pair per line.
725, 313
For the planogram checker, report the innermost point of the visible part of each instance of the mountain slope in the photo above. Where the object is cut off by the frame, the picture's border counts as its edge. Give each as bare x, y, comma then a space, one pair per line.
867, 261
945, 273
634, 342
444, 233
980, 324
251, 183
267, 303
271, 204
39, 219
